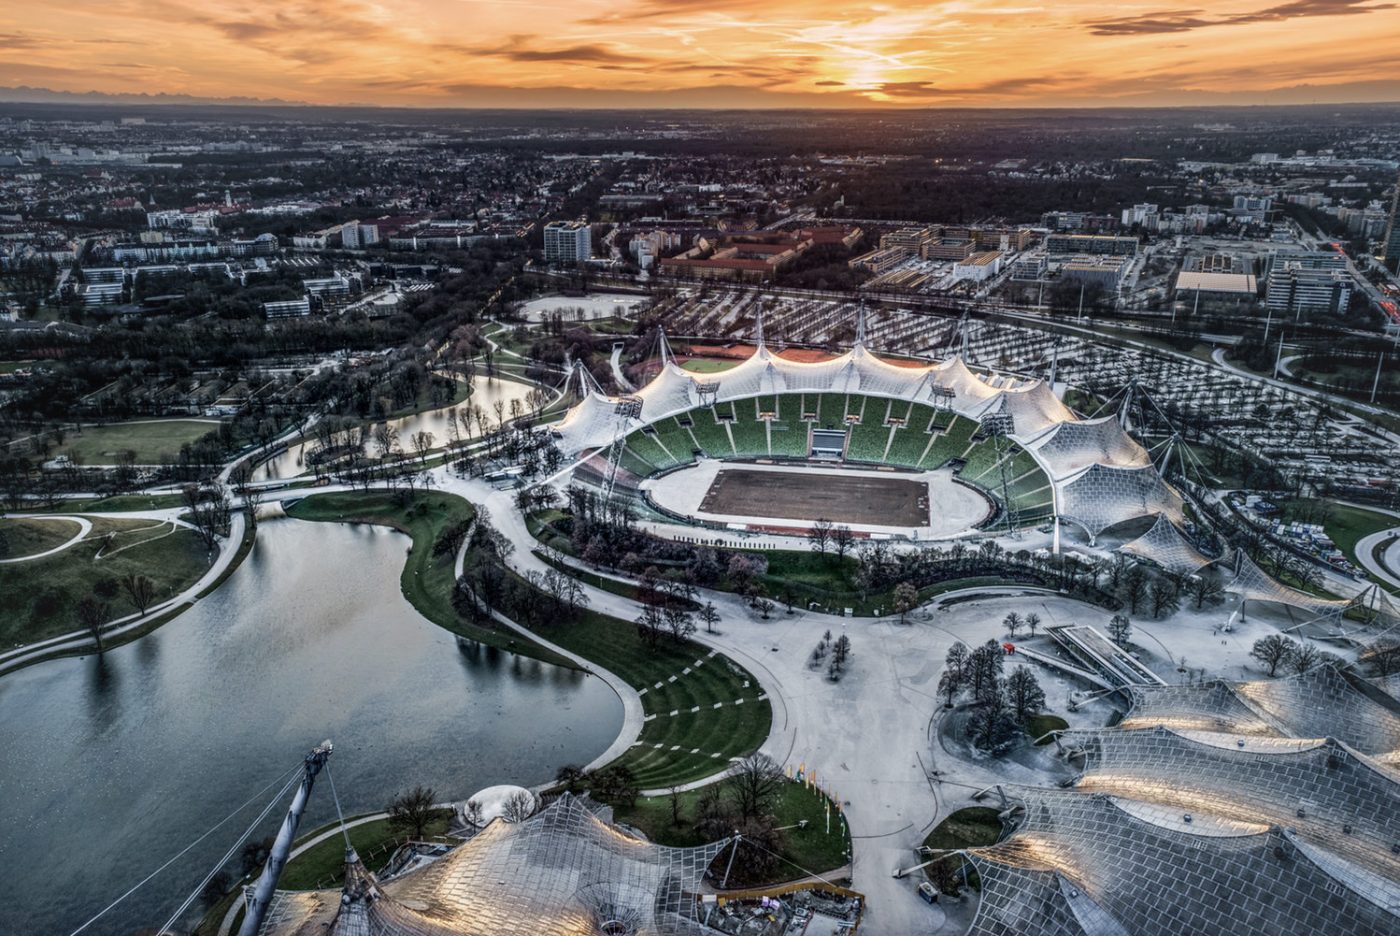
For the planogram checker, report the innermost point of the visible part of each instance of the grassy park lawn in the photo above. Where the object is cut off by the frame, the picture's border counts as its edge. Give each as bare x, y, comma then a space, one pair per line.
37, 599
29, 536
1038, 725
698, 730
150, 440
323, 865
967, 828
812, 849
427, 582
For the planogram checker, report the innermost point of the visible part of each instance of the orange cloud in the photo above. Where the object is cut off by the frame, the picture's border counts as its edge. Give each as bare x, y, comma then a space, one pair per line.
709, 52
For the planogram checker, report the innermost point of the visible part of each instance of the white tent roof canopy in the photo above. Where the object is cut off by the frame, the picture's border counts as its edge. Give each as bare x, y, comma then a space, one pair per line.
1100, 475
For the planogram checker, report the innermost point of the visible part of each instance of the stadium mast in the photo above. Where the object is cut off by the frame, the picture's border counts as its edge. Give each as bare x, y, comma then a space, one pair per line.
282, 847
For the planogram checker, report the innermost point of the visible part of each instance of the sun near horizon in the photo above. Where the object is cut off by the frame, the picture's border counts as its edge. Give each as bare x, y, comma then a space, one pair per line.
720, 53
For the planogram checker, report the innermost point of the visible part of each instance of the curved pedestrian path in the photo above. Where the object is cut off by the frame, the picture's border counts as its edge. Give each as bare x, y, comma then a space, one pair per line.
84, 528
81, 641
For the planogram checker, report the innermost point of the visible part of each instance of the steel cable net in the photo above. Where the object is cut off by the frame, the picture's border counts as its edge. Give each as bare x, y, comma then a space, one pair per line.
1167, 547
1325, 703
591, 422
1214, 706
1102, 496
1329, 794
1252, 583
1152, 873
562, 872
1070, 447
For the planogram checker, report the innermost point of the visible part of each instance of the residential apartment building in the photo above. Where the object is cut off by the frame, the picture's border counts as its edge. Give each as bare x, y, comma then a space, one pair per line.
567, 242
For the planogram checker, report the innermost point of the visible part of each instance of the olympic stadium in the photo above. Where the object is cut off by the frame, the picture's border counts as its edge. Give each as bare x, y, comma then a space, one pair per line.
951, 451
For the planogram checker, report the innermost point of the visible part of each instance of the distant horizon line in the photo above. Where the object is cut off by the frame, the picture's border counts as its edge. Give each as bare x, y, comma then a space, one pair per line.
14, 95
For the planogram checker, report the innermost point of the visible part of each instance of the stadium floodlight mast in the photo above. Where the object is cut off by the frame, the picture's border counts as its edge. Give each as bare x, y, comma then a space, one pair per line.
942, 395
1000, 426
708, 392
624, 409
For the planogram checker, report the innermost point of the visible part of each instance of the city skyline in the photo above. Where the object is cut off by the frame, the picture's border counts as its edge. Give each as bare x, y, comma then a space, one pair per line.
789, 53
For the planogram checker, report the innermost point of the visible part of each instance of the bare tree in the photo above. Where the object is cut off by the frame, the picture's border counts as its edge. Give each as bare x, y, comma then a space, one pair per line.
906, 599
1204, 590
678, 622
819, 534
842, 538
518, 807
1304, 657
386, 440
754, 783
1272, 651
709, 616
412, 811
93, 614
140, 590
1023, 693
423, 444
208, 510
1120, 629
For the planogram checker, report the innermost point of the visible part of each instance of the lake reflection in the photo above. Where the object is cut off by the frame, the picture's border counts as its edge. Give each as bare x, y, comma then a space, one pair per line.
111, 765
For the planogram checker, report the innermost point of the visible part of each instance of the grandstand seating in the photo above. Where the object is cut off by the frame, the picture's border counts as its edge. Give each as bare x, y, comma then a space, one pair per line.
750, 438
647, 449
832, 413
951, 444
900, 410
871, 441
634, 463
908, 447
981, 460
868, 440
676, 440
710, 434
788, 437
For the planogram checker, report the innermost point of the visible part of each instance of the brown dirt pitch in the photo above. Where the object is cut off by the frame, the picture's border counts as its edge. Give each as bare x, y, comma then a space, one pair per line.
896, 502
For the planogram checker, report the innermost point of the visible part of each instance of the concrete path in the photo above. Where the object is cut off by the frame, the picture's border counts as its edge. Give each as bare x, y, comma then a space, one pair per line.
82, 640
616, 362
1388, 568
84, 528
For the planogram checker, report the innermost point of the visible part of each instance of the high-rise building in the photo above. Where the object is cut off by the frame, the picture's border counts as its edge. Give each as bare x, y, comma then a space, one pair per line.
1308, 282
567, 242
1392, 233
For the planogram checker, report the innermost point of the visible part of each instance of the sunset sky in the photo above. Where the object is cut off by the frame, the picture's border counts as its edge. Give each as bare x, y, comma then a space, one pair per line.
710, 53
